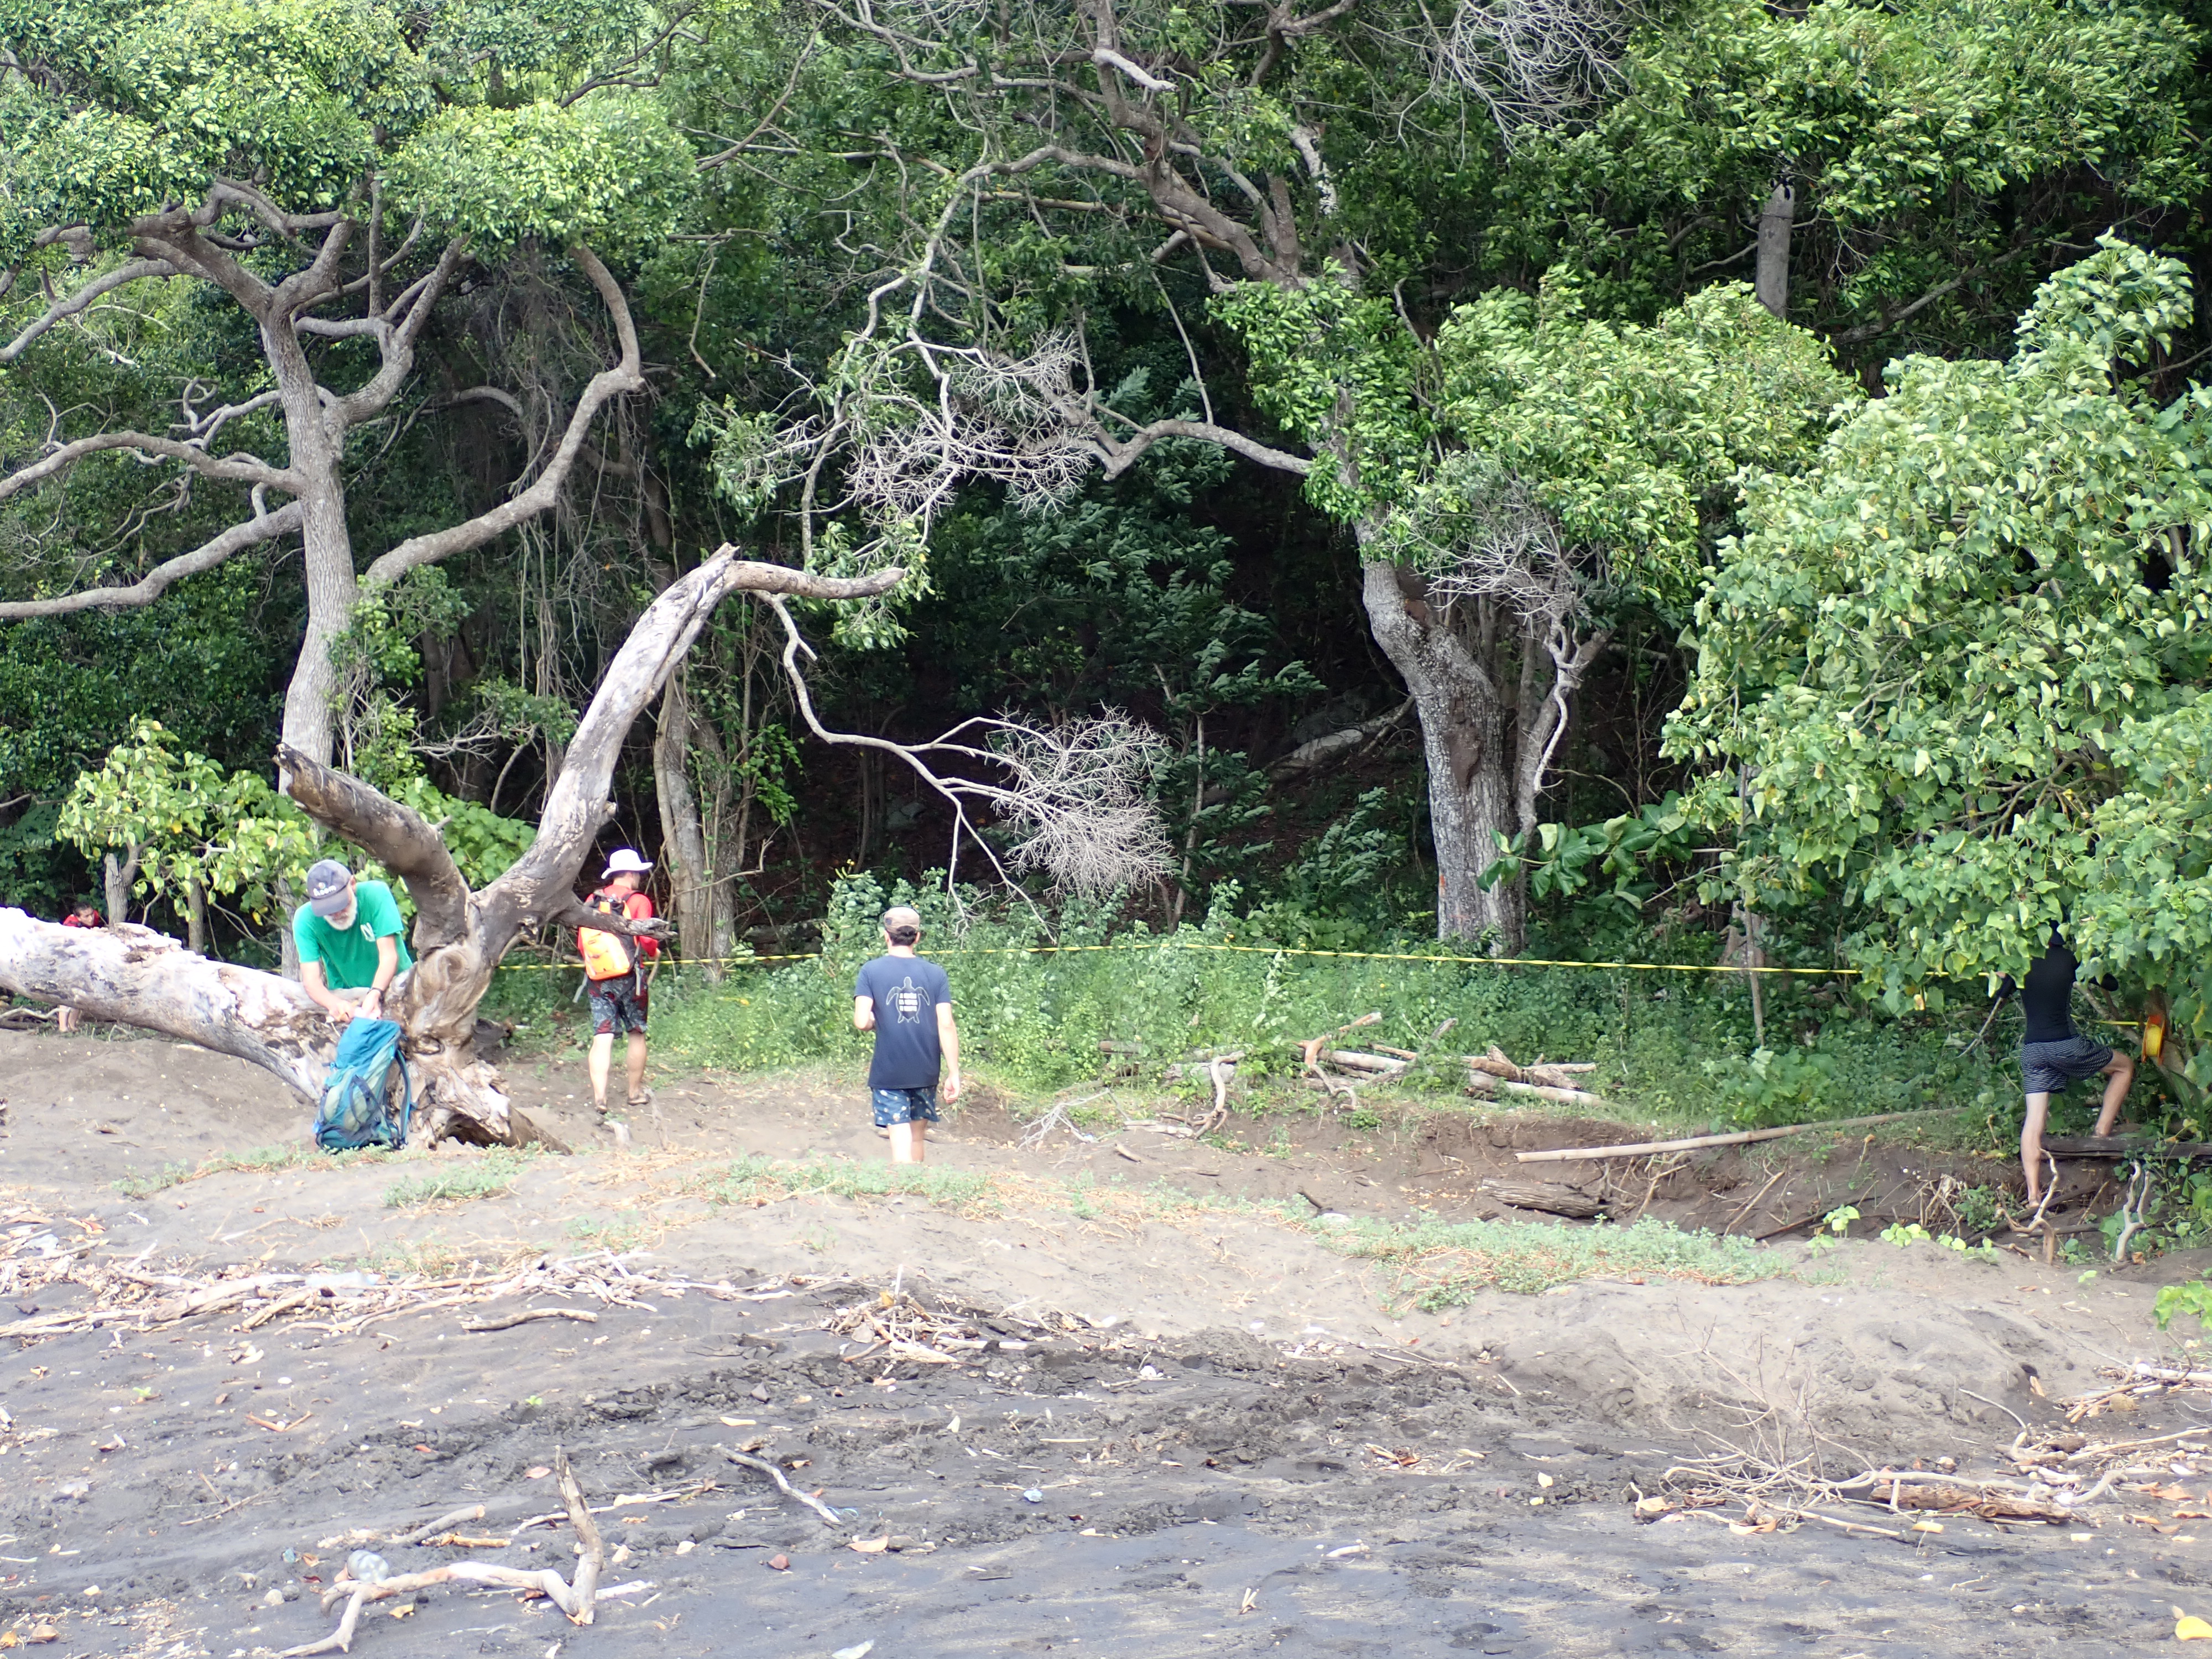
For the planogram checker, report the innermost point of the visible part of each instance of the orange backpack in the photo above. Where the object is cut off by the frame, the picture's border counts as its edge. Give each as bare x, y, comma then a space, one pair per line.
606, 955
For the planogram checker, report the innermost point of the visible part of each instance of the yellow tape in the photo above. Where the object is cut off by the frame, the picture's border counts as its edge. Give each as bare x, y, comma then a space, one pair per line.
1265, 950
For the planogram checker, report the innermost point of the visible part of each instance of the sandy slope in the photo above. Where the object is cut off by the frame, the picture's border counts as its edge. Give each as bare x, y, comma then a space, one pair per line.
1204, 1432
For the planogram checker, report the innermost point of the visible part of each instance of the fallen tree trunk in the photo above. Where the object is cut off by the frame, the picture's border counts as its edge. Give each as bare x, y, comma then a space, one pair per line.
1379, 1066
1740, 1138
1551, 1197
136, 977
124, 972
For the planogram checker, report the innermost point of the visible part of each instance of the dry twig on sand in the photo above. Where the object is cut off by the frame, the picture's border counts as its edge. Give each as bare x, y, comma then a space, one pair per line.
507, 1322
761, 1465
575, 1599
431, 1528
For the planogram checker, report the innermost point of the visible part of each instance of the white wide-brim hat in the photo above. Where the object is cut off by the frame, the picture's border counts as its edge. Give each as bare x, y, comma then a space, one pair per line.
625, 862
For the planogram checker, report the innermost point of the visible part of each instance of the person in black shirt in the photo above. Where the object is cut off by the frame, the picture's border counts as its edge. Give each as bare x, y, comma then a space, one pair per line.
2053, 1054
908, 1002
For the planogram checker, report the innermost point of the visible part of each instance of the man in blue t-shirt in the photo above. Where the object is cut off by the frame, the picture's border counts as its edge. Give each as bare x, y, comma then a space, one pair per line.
907, 1004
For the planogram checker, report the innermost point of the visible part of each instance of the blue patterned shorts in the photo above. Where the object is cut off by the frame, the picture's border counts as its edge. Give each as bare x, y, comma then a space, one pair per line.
895, 1106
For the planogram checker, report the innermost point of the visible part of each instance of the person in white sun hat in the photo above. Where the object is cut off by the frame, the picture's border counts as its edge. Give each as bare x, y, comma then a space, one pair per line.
614, 970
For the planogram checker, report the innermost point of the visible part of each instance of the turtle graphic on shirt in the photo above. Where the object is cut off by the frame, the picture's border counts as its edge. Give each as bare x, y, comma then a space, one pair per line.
907, 1001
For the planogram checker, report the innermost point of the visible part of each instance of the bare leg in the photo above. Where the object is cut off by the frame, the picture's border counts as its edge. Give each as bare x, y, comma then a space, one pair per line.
2119, 1073
909, 1144
636, 1066
2031, 1145
603, 1054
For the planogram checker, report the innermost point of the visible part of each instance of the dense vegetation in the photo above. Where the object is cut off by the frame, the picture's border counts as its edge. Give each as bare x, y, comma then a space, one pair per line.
1567, 479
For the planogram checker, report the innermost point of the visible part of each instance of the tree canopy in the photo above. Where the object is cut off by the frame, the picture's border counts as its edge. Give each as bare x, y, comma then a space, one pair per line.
1953, 673
1751, 451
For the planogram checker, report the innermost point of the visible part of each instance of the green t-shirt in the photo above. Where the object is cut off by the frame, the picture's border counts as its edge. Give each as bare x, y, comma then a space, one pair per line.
349, 958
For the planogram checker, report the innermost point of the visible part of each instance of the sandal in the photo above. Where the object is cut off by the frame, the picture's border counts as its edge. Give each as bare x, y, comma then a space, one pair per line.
643, 1097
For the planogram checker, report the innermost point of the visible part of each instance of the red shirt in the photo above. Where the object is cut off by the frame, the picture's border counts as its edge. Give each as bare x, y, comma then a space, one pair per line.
71, 921
638, 907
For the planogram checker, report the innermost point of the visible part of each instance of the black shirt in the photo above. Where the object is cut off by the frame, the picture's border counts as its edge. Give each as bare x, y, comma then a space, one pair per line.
2047, 998
907, 991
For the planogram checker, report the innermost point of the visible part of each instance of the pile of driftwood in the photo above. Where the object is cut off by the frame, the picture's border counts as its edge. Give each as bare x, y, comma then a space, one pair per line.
1774, 1467
1492, 1073
45, 1259
368, 1576
896, 1325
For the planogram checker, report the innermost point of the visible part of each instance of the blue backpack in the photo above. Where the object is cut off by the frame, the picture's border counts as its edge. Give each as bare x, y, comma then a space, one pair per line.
357, 1109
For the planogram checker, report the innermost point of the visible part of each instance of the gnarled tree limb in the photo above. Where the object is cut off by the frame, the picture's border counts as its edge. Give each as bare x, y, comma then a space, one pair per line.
396, 835
627, 375
228, 469
265, 527
80, 300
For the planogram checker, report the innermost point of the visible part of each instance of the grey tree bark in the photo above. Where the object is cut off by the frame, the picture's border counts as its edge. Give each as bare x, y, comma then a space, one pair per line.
1772, 282
697, 899
1494, 696
187, 242
117, 878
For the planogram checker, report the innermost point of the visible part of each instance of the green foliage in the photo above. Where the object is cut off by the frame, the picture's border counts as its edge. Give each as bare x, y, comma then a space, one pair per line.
1035, 1021
1635, 438
1443, 1265
1951, 676
2192, 1297
1925, 139
610, 171
236, 835
381, 637
481, 1175
1838, 1222
1564, 861
188, 822
1905, 1233
141, 104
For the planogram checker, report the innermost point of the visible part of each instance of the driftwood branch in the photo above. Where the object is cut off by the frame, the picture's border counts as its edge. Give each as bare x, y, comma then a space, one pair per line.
444, 1523
1553, 1198
1742, 1138
761, 1465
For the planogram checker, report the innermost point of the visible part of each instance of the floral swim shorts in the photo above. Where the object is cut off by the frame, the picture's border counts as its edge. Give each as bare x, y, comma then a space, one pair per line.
895, 1106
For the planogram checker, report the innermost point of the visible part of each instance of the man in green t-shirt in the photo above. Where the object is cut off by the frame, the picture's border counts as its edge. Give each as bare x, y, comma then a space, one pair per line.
352, 943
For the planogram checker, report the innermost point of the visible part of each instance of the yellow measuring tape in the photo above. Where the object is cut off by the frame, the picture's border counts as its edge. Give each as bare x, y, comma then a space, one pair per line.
1264, 950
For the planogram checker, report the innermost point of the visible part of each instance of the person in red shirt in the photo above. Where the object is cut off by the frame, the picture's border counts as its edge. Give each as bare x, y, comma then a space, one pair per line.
83, 914
614, 966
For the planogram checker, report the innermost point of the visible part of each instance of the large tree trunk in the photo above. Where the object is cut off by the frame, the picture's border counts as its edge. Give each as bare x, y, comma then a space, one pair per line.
326, 543
124, 974
117, 877
1771, 283
1467, 739
138, 978
692, 887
